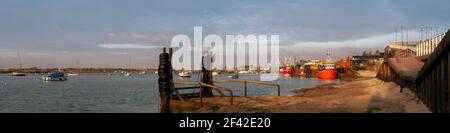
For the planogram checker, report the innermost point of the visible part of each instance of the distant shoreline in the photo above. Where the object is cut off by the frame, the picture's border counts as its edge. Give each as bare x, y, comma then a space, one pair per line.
74, 70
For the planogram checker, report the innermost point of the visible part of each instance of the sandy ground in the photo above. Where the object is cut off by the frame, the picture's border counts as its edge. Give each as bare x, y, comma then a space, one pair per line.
363, 95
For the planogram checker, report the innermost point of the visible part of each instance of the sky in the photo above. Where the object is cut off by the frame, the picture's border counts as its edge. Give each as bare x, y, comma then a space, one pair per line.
130, 33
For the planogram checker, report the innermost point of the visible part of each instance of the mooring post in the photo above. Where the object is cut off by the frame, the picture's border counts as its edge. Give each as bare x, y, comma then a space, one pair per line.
207, 75
165, 81
245, 88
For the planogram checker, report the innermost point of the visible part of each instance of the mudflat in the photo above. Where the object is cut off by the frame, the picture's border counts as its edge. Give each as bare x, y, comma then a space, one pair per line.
365, 94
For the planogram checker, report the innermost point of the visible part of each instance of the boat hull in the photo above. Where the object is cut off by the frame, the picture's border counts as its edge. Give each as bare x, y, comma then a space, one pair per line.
18, 74
327, 74
54, 79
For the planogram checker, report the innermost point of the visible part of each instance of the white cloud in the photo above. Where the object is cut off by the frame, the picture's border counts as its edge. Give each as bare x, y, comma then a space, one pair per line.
373, 41
128, 36
125, 46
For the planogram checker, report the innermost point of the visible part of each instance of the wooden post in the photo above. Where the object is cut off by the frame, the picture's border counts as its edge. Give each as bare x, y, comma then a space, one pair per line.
207, 76
245, 88
165, 81
201, 96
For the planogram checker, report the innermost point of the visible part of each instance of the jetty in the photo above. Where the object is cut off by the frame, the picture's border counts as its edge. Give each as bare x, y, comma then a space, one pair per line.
421, 67
171, 90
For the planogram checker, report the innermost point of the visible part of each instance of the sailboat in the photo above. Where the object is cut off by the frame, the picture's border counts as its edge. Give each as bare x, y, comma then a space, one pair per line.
75, 74
20, 67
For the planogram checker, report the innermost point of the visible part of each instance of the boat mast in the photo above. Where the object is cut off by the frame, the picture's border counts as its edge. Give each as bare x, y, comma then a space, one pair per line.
19, 59
328, 56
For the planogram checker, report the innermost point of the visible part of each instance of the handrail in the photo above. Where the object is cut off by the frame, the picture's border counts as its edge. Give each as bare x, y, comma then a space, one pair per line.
217, 88
250, 81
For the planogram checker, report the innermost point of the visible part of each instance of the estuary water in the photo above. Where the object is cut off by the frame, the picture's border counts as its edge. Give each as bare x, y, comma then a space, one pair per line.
100, 93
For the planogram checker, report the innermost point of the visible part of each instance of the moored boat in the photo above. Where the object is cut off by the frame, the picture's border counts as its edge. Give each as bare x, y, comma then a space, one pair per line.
184, 74
329, 72
215, 73
56, 76
73, 74
128, 74
18, 74
287, 70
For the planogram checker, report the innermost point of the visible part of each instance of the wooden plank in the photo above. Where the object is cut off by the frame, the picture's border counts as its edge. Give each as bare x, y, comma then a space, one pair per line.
428, 90
438, 85
447, 79
433, 90
443, 82
178, 95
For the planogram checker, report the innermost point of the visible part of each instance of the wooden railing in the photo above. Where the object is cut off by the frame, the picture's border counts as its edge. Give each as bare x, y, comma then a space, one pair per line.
432, 84
200, 85
426, 47
246, 82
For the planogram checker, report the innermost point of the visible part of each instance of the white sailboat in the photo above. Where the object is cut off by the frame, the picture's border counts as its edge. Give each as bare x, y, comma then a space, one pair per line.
75, 74
20, 67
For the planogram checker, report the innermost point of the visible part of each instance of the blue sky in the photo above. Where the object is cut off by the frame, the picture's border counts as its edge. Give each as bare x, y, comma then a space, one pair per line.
58, 33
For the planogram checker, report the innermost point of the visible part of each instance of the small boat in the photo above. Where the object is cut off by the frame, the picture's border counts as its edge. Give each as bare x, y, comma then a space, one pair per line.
329, 72
18, 74
235, 76
184, 74
128, 74
143, 73
109, 74
215, 73
56, 76
73, 74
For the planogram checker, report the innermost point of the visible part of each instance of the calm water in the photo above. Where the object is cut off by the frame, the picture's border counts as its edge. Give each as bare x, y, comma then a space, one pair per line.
117, 93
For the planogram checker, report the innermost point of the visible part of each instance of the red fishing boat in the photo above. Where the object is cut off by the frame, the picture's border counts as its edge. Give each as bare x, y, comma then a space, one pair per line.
287, 70
329, 72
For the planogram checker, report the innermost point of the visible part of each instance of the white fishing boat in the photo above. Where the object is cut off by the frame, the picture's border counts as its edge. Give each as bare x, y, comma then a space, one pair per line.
184, 74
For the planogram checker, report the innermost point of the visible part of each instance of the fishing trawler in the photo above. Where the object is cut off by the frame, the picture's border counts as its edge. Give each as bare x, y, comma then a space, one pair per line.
329, 72
329, 69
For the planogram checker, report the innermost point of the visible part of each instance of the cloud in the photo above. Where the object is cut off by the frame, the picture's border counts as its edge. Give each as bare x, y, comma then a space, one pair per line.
128, 36
125, 46
373, 41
